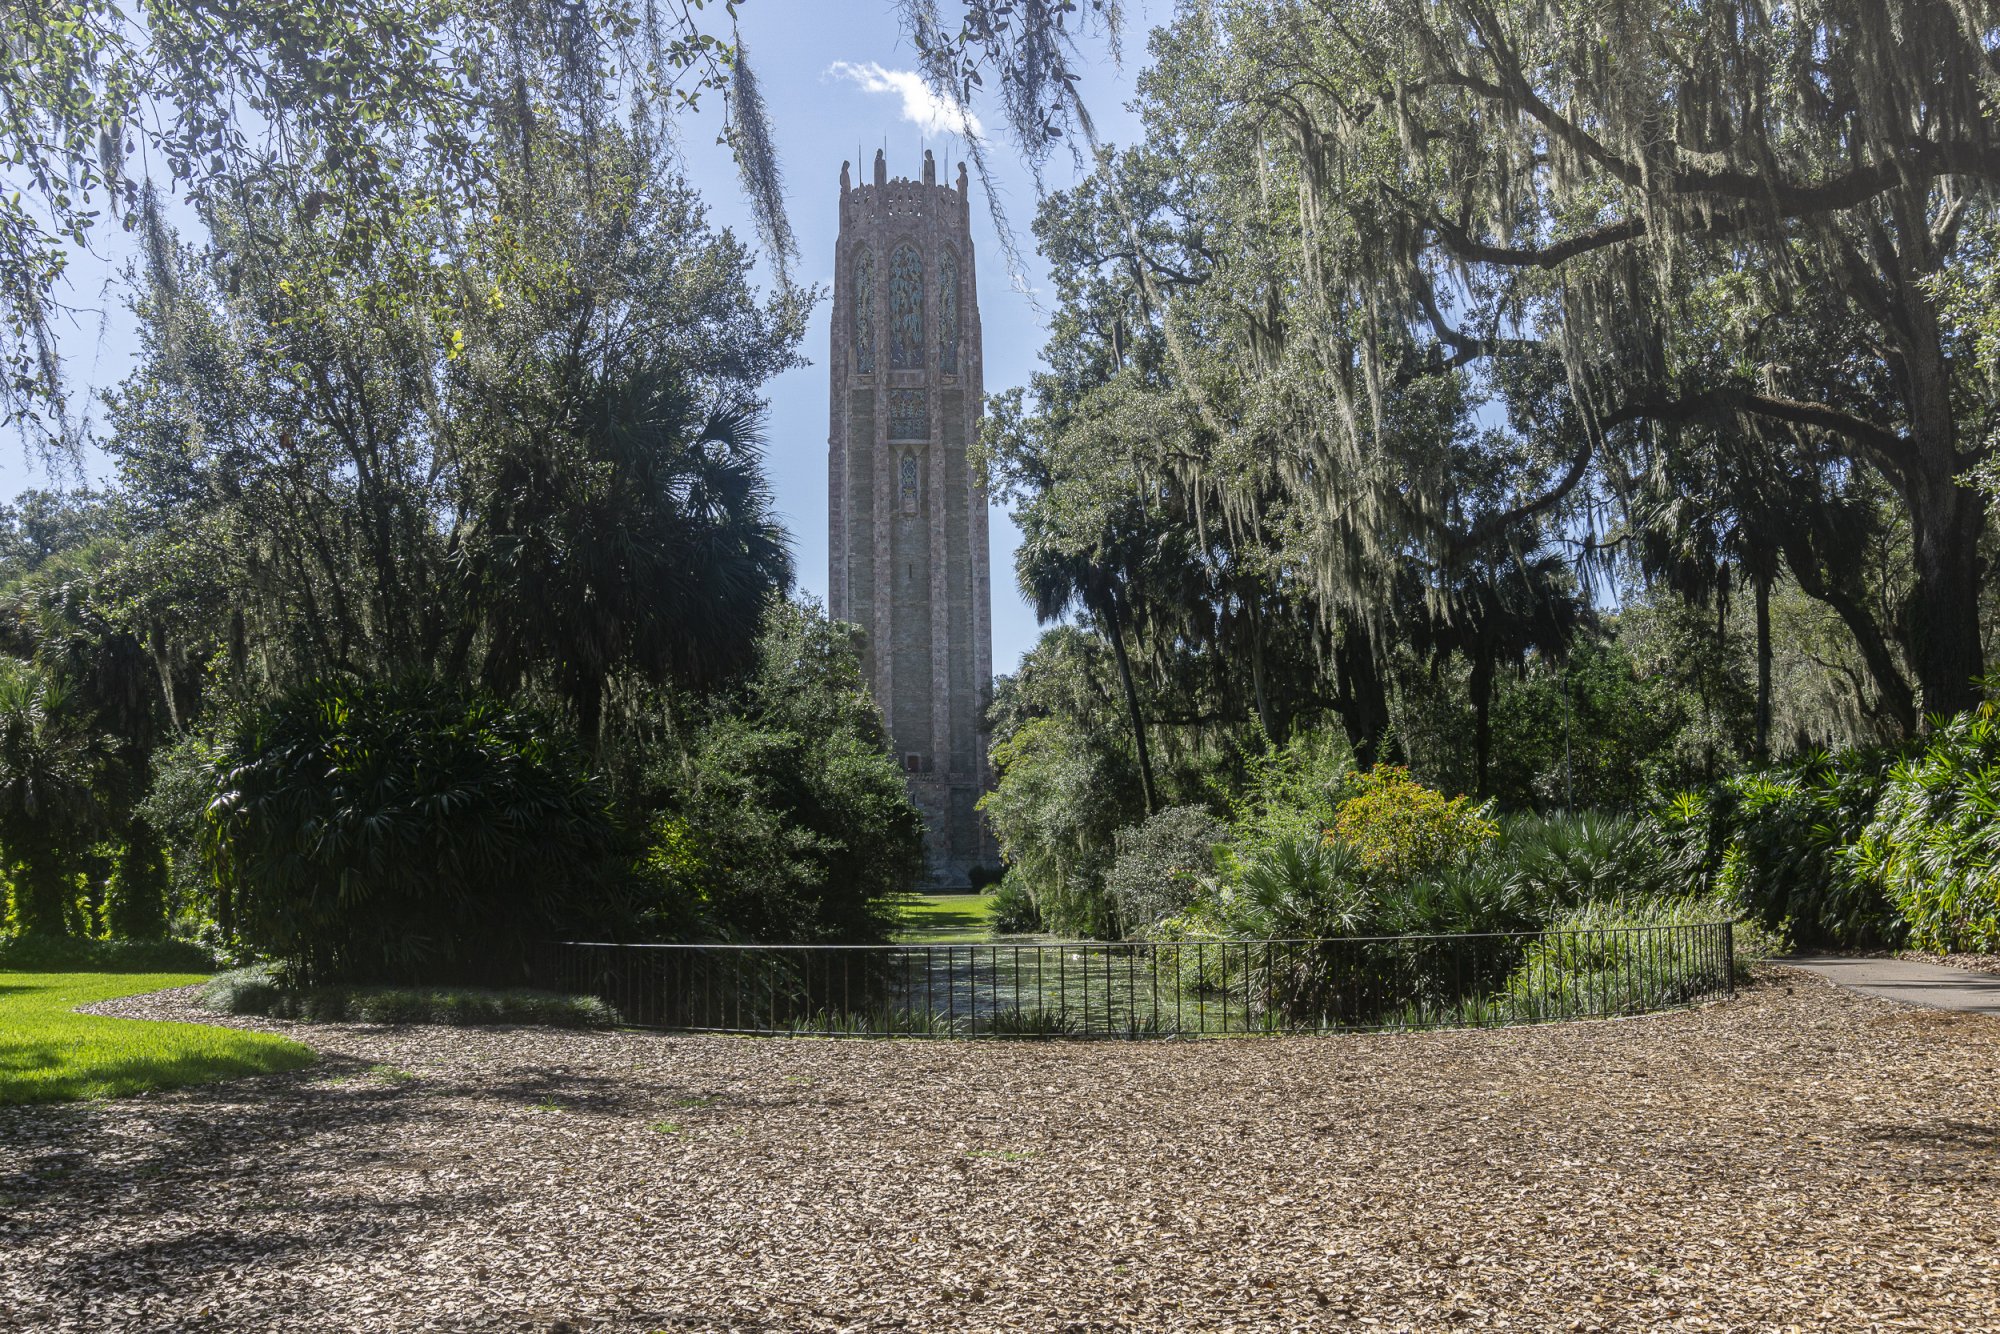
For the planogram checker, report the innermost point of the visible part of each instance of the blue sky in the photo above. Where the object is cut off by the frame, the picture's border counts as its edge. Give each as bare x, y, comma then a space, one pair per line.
837, 77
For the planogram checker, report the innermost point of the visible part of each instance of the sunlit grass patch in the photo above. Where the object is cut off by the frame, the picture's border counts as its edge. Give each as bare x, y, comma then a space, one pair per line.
49, 1053
945, 919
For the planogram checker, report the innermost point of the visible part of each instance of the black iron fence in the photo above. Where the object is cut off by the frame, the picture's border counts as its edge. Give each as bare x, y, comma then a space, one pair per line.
1151, 988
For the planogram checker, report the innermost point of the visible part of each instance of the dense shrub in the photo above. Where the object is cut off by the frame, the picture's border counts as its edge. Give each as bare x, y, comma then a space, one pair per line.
782, 815
1301, 889
51, 759
1558, 862
1056, 813
1161, 865
1291, 792
1398, 858
175, 807
135, 907
1934, 845
1592, 960
406, 832
1401, 829
261, 990
1472, 896
1315, 889
1772, 848
1619, 720
1014, 908
55, 954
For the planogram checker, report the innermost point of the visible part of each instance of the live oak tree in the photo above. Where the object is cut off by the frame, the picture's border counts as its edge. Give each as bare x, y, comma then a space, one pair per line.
1769, 224
1725, 216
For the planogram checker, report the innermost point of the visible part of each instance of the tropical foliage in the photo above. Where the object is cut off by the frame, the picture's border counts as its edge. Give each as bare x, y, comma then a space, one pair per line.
437, 602
50, 763
406, 831
1933, 847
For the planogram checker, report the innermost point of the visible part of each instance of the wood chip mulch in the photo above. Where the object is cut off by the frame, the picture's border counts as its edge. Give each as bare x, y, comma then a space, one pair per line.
1978, 963
1797, 1157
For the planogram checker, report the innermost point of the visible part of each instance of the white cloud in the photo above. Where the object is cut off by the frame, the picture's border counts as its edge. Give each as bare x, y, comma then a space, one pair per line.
921, 106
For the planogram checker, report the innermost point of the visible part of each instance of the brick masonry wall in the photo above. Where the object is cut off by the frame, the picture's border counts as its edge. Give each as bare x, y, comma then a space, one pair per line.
907, 516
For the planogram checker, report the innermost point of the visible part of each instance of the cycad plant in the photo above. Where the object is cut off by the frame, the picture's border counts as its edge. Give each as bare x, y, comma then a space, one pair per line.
51, 761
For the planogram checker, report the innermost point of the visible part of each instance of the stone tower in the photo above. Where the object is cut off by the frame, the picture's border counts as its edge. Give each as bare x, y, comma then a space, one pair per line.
907, 517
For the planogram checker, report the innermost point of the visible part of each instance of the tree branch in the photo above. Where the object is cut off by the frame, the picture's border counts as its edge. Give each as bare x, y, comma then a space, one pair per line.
1886, 448
1494, 526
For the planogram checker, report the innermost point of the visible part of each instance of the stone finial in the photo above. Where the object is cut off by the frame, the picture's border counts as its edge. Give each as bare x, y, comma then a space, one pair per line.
930, 168
961, 178
846, 181
881, 167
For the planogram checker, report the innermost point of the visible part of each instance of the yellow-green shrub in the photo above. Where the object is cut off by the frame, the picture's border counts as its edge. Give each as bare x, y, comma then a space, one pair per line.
1401, 829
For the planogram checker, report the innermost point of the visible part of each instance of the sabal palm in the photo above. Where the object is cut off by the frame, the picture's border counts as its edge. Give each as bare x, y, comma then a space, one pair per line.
638, 535
1070, 562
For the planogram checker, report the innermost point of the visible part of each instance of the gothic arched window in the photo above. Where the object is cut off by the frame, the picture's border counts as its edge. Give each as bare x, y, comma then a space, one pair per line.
908, 484
864, 311
948, 313
906, 309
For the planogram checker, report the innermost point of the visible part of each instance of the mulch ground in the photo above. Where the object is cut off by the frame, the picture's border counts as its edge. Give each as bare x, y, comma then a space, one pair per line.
1978, 963
1795, 1157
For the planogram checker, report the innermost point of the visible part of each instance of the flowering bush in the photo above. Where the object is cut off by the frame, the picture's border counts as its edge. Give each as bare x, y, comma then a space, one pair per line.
1401, 829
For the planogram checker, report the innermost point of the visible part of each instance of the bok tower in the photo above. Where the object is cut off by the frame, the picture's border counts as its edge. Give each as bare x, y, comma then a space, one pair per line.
907, 517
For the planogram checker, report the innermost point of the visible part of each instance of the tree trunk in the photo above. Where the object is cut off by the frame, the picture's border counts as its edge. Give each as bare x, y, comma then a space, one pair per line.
1898, 700
1762, 585
1946, 517
1257, 684
1946, 520
1482, 715
590, 715
1363, 702
1138, 720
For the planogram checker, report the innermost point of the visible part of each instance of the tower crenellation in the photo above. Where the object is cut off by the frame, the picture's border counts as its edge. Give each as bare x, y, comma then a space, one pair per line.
907, 513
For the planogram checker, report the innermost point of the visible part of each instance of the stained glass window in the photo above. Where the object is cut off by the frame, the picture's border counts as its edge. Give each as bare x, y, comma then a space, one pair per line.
909, 484
906, 309
948, 314
909, 414
864, 311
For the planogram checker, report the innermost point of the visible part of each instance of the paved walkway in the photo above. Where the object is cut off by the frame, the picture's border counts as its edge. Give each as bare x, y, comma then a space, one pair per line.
1911, 983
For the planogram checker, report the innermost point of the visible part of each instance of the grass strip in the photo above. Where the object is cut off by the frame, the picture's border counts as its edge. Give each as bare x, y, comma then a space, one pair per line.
944, 919
49, 1053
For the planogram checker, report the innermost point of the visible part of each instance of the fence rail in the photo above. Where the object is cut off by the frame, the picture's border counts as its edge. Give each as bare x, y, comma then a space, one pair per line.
1150, 988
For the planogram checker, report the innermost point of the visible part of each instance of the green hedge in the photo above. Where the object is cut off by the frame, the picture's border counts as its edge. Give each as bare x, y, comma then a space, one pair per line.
260, 991
77, 954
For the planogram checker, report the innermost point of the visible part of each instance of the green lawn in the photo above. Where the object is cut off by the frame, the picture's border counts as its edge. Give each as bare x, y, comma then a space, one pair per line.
48, 1053
946, 919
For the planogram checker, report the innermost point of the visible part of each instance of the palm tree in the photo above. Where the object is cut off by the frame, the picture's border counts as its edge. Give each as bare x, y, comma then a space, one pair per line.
637, 534
51, 760
1502, 606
